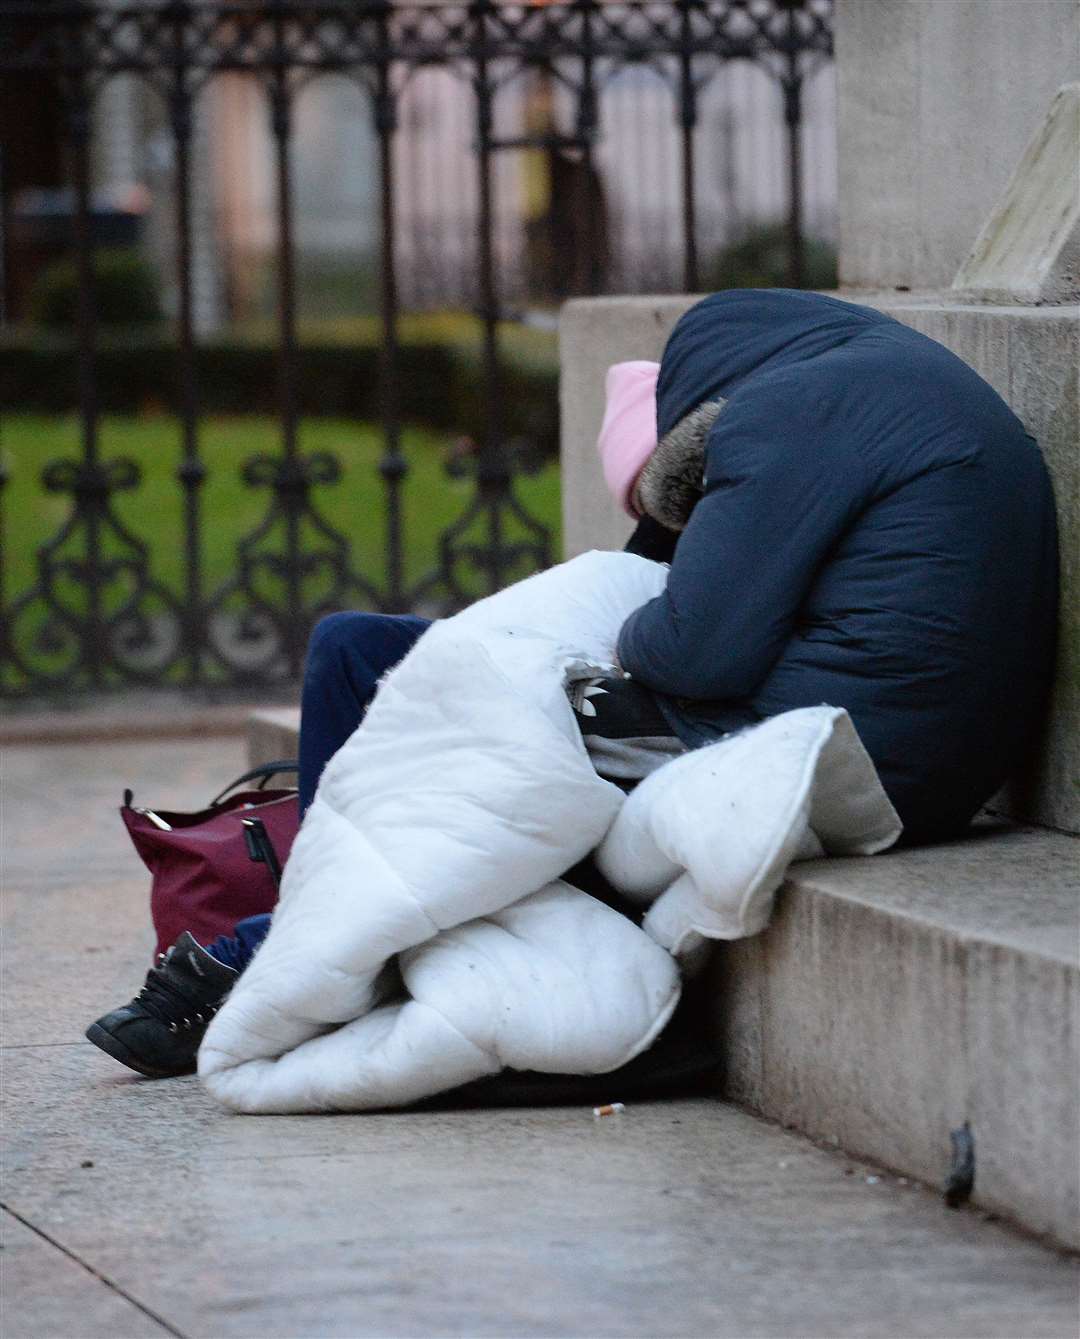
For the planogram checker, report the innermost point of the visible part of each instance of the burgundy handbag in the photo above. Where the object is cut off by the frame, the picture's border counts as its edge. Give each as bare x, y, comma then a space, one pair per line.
212, 868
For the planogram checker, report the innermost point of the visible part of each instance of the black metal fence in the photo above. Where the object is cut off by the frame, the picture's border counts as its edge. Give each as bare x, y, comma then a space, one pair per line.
96, 615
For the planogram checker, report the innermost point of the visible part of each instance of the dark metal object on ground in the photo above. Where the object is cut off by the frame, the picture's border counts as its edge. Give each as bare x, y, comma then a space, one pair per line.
960, 1180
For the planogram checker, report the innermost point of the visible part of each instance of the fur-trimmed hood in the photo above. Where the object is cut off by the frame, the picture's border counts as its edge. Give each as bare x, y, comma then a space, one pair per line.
674, 475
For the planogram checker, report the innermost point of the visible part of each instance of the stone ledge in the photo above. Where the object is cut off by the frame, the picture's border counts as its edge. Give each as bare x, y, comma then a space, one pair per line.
273, 734
893, 998
122, 719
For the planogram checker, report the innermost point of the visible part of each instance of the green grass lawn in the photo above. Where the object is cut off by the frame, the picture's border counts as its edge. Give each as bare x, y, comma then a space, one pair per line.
153, 512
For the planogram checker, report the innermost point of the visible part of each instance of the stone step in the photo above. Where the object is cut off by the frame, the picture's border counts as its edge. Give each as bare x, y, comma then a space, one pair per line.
273, 733
894, 998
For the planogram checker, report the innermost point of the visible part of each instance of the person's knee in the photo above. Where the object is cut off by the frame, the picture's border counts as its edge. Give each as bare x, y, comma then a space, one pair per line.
335, 642
333, 632
357, 647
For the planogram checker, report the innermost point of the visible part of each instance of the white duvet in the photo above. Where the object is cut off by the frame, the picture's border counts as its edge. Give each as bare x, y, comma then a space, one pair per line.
424, 937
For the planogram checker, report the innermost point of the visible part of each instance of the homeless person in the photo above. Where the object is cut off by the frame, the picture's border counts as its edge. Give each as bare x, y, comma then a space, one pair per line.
851, 516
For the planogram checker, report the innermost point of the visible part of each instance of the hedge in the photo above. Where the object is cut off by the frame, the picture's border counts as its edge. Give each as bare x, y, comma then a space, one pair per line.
441, 386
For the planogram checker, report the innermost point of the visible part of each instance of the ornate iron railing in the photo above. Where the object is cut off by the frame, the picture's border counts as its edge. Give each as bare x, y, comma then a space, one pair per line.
95, 608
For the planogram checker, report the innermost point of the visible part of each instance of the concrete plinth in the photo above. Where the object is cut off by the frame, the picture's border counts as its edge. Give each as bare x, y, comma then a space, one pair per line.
1029, 247
936, 101
273, 735
894, 998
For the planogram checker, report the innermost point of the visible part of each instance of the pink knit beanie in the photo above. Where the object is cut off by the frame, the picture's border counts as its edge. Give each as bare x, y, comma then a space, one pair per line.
628, 433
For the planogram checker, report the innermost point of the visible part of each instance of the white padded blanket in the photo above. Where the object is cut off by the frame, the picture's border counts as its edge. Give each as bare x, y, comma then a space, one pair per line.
424, 937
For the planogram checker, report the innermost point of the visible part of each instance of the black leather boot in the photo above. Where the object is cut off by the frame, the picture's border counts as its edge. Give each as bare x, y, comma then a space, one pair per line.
159, 1032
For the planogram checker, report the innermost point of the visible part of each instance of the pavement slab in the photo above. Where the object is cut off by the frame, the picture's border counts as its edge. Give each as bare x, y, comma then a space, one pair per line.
96, 940
142, 1208
61, 822
42, 1290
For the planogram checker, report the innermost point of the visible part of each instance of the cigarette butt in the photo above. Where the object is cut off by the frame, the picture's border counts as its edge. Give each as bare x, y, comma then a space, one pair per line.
609, 1109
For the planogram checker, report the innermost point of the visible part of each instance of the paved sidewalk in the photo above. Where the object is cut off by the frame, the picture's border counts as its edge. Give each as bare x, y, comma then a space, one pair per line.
138, 1208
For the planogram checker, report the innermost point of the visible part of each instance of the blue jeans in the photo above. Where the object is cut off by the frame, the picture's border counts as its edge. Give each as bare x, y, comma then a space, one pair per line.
347, 656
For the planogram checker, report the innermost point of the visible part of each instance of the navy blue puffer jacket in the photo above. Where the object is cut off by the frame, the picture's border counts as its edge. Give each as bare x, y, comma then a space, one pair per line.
877, 532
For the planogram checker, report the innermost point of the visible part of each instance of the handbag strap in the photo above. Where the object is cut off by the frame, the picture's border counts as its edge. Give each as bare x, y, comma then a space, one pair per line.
262, 774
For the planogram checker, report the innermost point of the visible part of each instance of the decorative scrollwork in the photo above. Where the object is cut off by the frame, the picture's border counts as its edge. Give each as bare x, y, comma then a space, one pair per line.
91, 482
95, 614
346, 35
293, 567
493, 542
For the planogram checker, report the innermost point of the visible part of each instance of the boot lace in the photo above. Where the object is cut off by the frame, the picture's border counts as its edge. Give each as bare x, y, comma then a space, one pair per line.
163, 998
